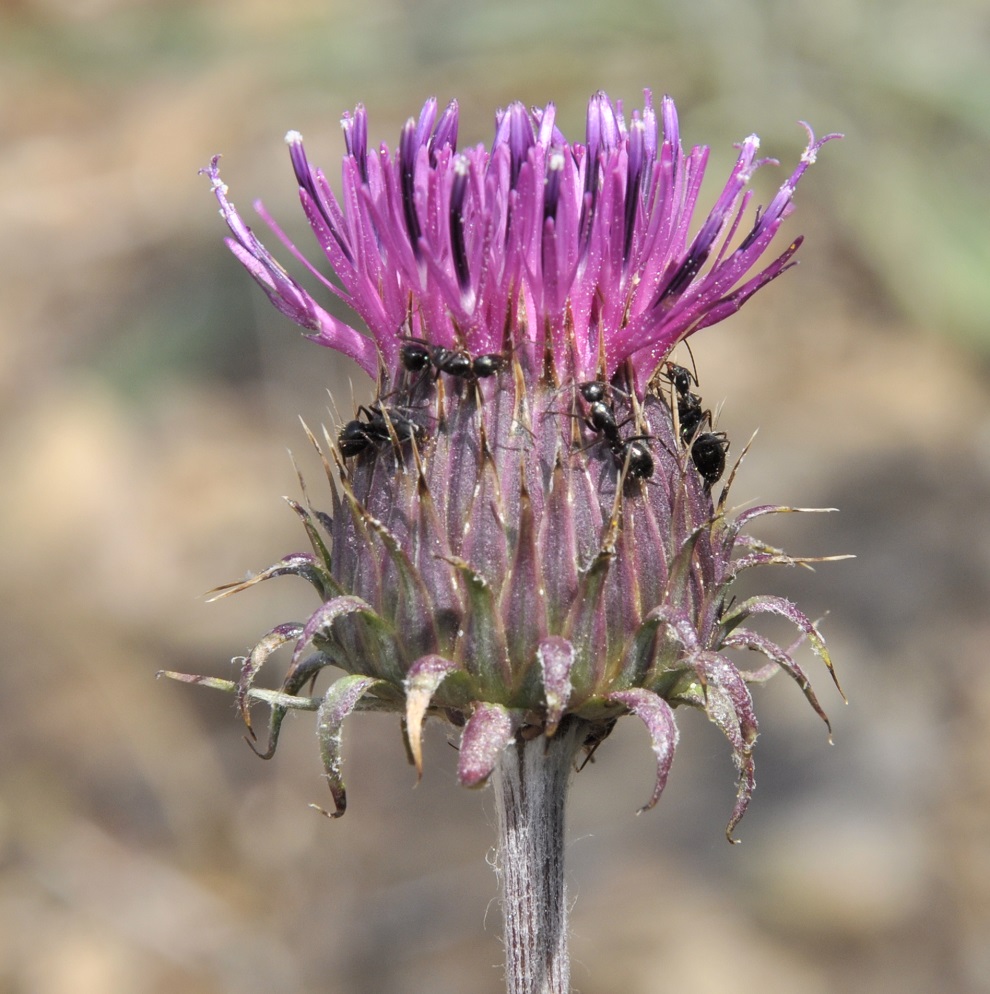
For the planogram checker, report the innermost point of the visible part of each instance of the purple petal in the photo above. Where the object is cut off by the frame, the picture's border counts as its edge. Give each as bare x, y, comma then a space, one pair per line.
445, 133
593, 241
356, 139
458, 244
516, 133
427, 118
284, 292
306, 178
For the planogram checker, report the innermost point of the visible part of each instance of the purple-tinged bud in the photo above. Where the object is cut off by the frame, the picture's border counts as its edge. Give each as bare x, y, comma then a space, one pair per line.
638, 164
445, 135
356, 139
555, 175
409, 146
458, 244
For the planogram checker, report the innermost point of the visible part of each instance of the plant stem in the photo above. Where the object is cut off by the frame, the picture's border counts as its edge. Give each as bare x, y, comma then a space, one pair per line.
530, 783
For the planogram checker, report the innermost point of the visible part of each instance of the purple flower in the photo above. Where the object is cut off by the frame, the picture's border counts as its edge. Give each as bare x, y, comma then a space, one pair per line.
586, 248
522, 536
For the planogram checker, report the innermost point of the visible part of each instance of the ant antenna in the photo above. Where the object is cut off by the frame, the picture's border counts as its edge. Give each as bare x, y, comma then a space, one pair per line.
694, 365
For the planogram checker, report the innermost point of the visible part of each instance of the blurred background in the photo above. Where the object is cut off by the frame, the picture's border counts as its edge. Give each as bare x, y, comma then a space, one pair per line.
149, 392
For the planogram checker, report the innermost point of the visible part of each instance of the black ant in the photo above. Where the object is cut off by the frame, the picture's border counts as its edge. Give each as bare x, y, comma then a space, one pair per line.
382, 426
690, 414
632, 452
415, 355
601, 420
598, 390
594, 391
601, 414
681, 378
483, 366
708, 448
708, 452
418, 355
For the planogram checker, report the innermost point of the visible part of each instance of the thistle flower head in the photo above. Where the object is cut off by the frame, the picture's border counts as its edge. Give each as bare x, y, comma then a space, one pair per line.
521, 530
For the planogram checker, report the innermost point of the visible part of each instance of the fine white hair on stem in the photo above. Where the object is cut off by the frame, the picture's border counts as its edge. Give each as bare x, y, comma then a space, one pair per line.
530, 782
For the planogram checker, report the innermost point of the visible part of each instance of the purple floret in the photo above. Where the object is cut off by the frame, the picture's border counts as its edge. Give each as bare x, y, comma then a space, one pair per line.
585, 244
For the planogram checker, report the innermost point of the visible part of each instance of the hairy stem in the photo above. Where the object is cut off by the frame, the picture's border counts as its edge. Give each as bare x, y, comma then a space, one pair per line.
530, 783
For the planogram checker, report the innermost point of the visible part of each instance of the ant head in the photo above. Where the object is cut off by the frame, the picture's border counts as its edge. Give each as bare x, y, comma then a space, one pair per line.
594, 391
415, 355
681, 377
353, 439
